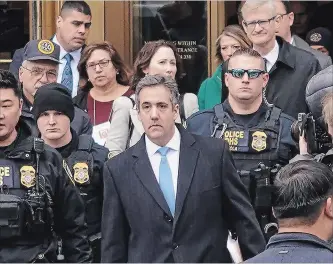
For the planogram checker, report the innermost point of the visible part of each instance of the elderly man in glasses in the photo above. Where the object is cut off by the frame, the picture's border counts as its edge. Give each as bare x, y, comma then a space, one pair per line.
40, 67
289, 68
256, 131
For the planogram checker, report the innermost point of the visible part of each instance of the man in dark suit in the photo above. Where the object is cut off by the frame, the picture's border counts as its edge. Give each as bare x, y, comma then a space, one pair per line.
304, 208
289, 68
173, 196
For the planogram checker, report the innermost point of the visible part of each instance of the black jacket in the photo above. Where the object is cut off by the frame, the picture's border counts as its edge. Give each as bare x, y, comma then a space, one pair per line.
288, 78
80, 100
81, 122
83, 149
68, 208
295, 248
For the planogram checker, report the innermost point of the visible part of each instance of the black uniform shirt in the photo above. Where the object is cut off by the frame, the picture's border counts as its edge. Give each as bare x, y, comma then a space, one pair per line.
67, 150
248, 120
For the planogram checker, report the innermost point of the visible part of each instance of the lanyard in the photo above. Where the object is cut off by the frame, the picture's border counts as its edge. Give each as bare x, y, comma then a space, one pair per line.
109, 119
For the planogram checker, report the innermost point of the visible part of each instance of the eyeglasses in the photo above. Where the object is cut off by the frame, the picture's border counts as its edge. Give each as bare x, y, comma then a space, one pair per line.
38, 73
262, 23
282, 15
239, 73
102, 64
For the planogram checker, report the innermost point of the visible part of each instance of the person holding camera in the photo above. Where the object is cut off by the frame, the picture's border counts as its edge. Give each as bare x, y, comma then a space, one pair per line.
255, 131
305, 152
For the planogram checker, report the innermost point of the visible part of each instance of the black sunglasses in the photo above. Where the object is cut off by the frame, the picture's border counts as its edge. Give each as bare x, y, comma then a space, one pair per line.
239, 73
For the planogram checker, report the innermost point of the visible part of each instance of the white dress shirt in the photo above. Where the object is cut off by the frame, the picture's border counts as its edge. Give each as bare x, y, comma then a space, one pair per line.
76, 55
172, 157
272, 56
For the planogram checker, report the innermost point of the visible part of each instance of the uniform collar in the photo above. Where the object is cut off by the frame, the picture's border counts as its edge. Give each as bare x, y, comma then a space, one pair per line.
72, 146
258, 115
18, 149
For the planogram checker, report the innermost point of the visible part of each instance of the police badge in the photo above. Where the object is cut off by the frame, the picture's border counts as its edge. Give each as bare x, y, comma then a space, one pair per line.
28, 176
259, 139
81, 172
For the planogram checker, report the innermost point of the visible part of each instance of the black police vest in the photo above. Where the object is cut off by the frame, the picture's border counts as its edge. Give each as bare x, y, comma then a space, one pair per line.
251, 146
81, 163
25, 210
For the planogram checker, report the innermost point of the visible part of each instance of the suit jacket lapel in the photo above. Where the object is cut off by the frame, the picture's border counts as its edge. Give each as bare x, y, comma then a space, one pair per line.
145, 173
187, 162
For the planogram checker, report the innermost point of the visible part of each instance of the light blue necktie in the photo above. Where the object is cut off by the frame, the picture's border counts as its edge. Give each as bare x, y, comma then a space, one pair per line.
165, 180
67, 75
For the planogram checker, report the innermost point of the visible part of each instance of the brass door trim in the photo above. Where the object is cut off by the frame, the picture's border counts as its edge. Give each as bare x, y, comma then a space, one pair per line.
215, 25
6, 61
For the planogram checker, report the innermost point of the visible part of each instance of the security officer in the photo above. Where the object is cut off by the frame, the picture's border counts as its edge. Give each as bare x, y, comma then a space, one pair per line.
38, 199
39, 67
53, 110
256, 133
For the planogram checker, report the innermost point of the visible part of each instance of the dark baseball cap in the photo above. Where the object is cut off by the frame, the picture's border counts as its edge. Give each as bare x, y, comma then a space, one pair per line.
43, 49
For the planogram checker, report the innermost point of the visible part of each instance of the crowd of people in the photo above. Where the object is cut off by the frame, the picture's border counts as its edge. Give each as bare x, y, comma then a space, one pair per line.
103, 162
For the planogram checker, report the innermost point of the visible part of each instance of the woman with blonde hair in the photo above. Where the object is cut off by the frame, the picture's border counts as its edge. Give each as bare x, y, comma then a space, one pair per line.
231, 39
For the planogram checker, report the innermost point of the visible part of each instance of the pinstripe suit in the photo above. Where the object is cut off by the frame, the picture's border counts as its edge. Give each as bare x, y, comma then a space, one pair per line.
137, 225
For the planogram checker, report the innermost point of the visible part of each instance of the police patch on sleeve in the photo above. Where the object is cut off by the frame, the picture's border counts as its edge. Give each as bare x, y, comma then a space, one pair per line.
68, 171
28, 176
81, 172
45, 46
259, 141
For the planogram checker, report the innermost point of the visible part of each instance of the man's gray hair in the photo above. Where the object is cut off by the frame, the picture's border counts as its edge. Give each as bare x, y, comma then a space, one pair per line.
251, 5
154, 80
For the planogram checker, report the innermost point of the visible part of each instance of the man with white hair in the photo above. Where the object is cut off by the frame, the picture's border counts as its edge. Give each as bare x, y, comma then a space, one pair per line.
289, 68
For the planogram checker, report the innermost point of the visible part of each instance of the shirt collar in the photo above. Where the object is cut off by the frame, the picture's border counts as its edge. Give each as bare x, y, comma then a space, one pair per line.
273, 55
76, 54
287, 238
173, 144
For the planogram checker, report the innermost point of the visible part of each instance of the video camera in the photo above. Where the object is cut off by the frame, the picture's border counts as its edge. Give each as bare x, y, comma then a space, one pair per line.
318, 140
260, 186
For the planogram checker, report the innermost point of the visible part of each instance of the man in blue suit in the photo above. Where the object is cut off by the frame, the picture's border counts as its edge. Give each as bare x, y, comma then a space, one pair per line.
173, 196
303, 207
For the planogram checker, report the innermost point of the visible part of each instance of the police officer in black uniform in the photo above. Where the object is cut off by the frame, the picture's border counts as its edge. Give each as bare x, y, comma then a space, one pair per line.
38, 199
40, 67
54, 110
256, 133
